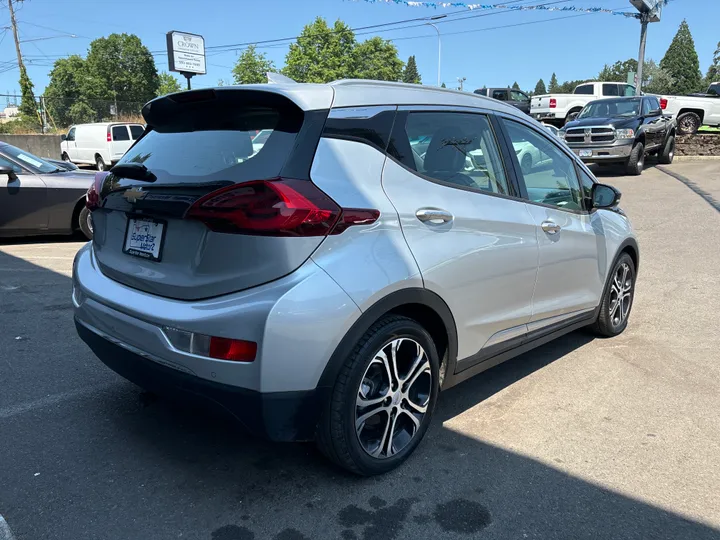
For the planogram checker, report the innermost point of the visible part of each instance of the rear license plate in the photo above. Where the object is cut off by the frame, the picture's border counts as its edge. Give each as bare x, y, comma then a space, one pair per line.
144, 238
585, 153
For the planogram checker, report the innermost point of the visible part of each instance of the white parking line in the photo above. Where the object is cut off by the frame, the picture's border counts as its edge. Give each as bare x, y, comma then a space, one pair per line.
46, 401
5, 532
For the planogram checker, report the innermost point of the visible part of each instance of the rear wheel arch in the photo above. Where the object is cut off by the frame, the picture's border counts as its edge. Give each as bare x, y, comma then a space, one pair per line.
74, 220
699, 112
421, 305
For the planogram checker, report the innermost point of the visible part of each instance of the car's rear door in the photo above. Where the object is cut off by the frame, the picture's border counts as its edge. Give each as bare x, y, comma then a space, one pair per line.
203, 214
472, 237
570, 275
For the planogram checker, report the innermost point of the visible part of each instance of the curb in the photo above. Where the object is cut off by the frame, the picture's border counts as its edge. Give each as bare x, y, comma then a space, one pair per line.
697, 158
5, 532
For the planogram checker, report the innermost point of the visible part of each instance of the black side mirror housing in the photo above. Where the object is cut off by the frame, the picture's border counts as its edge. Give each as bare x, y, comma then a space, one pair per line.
4, 169
604, 196
655, 112
572, 116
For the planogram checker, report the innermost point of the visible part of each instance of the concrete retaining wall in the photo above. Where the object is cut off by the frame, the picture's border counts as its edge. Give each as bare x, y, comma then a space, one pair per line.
47, 146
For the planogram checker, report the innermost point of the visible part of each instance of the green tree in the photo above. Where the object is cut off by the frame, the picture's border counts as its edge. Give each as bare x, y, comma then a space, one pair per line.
553, 88
168, 84
322, 54
65, 95
121, 69
618, 72
28, 105
411, 73
515, 86
540, 88
655, 79
443, 85
682, 63
377, 59
568, 87
252, 67
713, 73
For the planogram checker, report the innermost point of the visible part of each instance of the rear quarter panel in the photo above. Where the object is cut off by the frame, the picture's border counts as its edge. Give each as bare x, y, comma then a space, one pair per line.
65, 191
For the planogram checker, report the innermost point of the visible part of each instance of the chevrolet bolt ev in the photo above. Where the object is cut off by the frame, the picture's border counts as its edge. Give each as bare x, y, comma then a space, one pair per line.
381, 244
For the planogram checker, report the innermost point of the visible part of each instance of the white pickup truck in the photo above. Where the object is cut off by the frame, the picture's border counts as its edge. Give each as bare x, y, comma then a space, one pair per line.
693, 111
555, 108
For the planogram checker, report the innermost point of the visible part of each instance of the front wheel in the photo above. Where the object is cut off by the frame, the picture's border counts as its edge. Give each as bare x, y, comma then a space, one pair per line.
636, 162
383, 398
100, 163
618, 298
668, 152
65, 157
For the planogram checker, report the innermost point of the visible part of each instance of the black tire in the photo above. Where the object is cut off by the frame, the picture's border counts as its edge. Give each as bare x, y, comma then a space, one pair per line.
608, 323
636, 161
85, 223
100, 163
688, 123
668, 152
337, 436
65, 157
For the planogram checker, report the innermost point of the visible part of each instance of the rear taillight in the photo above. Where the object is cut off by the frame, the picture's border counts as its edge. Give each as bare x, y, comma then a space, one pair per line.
92, 197
553, 103
237, 350
663, 103
109, 135
278, 207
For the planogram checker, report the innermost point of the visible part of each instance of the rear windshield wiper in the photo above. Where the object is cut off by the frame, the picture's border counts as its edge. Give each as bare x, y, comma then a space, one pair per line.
133, 171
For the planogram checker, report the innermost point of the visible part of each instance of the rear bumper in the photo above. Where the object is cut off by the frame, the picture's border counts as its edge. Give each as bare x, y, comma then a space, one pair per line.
540, 116
278, 416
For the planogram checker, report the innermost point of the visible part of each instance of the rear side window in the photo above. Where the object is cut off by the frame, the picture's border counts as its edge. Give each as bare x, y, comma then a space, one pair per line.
714, 89
610, 90
500, 94
214, 140
120, 133
136, 131
481, 91
585, 89
458, 149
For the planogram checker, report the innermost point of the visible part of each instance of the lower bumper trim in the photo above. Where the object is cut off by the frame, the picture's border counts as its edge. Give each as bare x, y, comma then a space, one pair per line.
278, 416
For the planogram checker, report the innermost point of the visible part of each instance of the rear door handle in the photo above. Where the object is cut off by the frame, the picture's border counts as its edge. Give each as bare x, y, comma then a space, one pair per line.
550, 227
433, 215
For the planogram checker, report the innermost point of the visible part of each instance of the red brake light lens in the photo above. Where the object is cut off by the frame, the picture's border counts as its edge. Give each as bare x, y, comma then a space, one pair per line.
232, 349
278, 207
92, 197
109, 136
553, 103
663, 103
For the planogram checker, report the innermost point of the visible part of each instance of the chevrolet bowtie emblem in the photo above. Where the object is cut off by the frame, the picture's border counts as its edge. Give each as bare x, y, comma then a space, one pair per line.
134, 195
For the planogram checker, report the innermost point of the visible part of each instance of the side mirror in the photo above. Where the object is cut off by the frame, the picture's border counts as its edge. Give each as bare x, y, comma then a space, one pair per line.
604, 196
63, 137
4, 169
572, 116
654, 112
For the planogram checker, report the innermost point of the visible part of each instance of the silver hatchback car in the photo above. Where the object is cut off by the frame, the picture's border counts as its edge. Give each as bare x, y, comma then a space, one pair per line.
383, 242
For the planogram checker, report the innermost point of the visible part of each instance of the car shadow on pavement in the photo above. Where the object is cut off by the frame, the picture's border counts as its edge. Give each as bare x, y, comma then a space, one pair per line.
111, 461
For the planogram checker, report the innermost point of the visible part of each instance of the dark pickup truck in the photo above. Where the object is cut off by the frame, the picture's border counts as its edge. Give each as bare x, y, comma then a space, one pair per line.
516, 98
622, 130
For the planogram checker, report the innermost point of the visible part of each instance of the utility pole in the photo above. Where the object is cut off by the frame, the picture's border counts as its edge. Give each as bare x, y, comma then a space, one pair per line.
644, 19
461, 80
13, 22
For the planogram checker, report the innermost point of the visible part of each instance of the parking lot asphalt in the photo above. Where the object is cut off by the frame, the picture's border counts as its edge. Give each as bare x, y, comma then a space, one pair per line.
581, 438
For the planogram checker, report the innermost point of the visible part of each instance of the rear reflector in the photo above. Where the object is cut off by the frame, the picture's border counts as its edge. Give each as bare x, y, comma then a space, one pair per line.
277, 207
237, 350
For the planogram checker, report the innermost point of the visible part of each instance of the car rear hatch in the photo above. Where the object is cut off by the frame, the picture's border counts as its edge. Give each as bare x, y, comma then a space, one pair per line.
195, 209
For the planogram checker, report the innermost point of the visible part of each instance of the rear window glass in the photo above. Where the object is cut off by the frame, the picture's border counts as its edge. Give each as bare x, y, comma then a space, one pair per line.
136, 131
610, 90
250, 144
120, 133
584, 89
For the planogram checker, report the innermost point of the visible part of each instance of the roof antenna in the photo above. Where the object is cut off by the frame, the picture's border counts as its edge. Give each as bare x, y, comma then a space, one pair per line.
277, 78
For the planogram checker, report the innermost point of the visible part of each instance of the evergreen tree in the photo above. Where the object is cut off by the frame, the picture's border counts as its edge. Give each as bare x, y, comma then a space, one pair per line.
443, 85
410, 73
713, 73
682, 64
553, 88
540, 88
515, 86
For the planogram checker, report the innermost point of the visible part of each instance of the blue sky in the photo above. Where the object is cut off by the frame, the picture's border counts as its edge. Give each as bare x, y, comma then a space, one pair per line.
573, 47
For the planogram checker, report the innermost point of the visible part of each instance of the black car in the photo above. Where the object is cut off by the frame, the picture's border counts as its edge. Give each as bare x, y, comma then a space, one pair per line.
513, 97
39, 197
622, 130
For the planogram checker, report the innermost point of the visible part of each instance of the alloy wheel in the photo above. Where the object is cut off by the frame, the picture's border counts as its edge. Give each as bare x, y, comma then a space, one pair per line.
621, 293
393, 398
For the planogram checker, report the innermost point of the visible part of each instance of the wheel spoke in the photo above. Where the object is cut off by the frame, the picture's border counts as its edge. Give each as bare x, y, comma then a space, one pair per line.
422, 409
424, 368
625, 270
383, 440
412, 417
614, 307
360, 422
394, 346
362, 402
390, 435
386, 364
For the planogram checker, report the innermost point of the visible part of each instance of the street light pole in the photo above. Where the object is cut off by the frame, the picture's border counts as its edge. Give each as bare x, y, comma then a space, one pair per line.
641, 55
439, 43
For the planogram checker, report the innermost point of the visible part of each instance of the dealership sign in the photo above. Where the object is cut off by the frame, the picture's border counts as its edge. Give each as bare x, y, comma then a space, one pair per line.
186, 53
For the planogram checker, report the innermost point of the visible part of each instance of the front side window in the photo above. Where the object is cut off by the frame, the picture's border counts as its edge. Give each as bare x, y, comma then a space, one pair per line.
120, 133
714, 89
548, 173
70, 135
517, 96
629, 90
481, 91
458, 149
646, 107
654, 103
610, 90
500, 94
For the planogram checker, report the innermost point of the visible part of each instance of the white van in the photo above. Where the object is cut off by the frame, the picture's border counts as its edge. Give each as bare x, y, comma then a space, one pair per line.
101, 144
